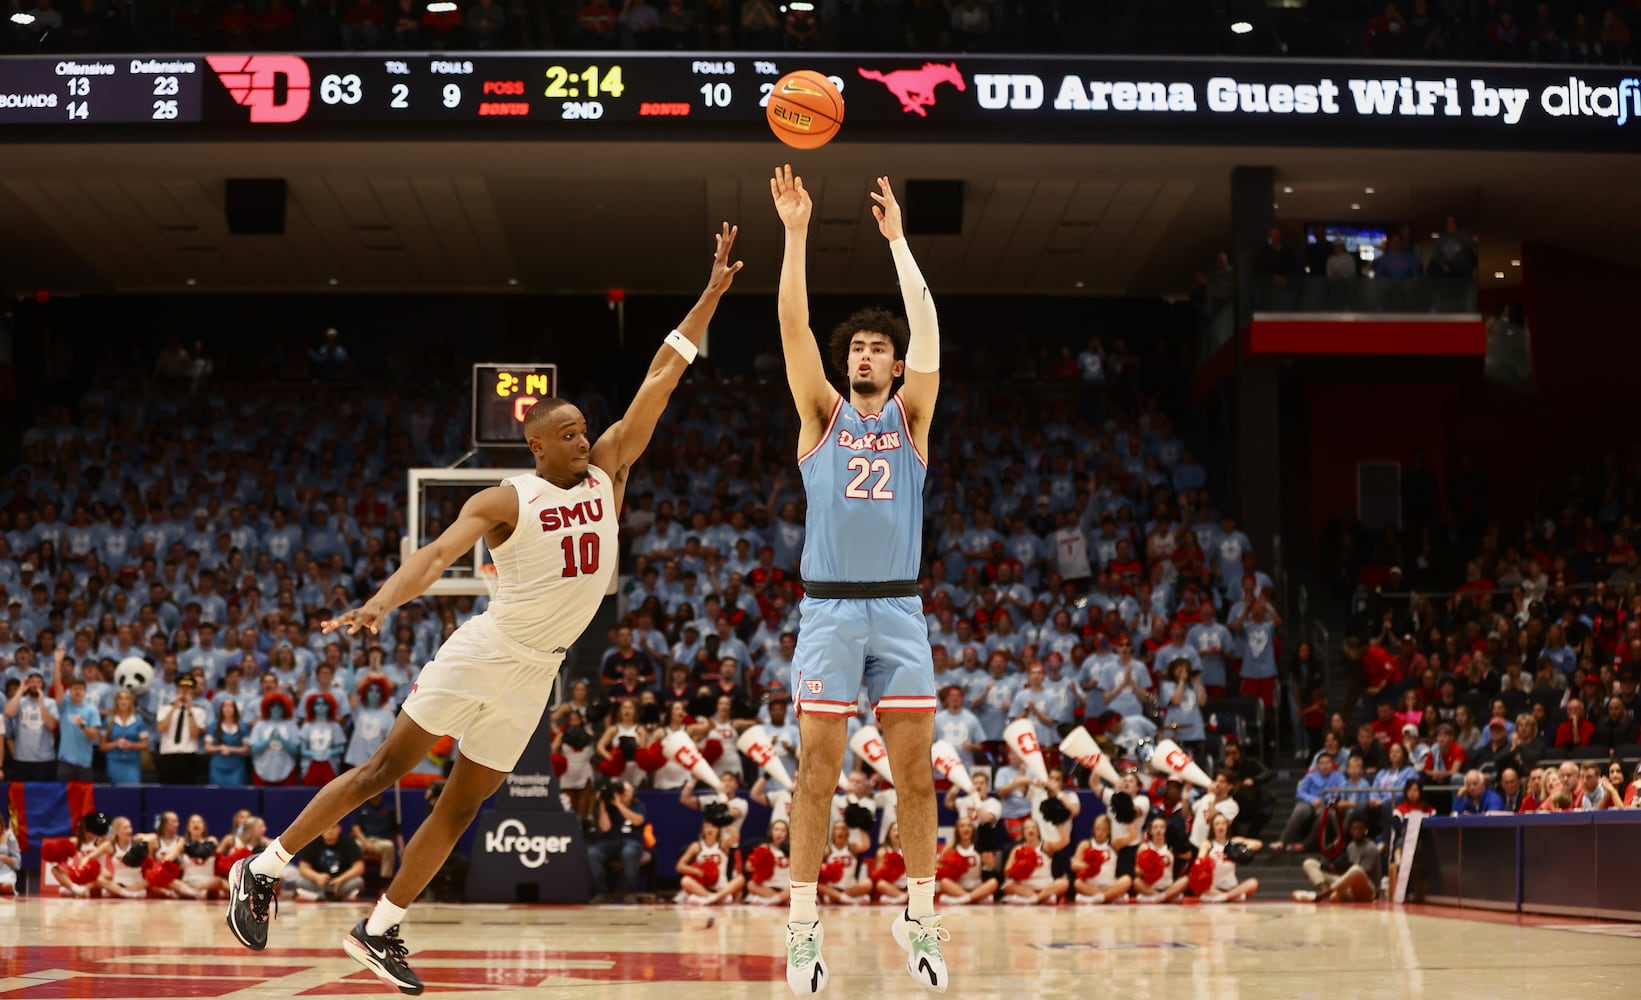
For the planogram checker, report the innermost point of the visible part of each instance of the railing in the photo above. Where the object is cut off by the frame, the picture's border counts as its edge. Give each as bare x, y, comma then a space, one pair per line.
1373, 296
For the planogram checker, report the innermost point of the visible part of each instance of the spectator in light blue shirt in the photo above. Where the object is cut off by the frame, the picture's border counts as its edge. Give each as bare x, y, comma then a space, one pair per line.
79, 733
1315, 788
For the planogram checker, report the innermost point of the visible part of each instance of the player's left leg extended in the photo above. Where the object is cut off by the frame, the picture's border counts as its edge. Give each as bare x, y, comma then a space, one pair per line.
375, 942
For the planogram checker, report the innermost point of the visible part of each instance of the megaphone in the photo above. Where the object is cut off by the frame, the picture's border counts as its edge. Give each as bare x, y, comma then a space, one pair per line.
949, 765
867, 745
1022, 736
1080, 746
755, 743
1170, 760
681, 750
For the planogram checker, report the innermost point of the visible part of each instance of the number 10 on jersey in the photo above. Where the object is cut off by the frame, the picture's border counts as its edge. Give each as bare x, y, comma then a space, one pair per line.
580, 554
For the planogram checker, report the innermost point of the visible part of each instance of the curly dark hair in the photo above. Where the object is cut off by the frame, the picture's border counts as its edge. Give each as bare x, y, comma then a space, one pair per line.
877, 320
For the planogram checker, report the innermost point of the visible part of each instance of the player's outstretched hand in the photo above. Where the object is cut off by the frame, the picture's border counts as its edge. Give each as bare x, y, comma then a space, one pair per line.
792, 202
723, 272
887, 211
354, 620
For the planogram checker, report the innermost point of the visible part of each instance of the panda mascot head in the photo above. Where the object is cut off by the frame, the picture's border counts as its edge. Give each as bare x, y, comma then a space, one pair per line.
134, 674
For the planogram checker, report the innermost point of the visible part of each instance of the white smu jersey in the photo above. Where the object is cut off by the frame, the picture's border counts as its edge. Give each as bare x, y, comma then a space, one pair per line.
553, 571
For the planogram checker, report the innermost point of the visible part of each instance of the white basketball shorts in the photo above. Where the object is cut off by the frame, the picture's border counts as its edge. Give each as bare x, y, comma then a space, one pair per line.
486, 691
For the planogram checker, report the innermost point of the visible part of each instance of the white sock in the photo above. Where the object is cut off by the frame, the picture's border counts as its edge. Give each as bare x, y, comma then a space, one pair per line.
272, 861
920, 897
803, 903
384, 916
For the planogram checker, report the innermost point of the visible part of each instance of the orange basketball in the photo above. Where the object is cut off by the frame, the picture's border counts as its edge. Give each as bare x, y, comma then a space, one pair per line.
805, 110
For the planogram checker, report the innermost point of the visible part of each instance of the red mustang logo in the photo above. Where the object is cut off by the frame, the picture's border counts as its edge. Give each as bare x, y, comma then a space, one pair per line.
914, 88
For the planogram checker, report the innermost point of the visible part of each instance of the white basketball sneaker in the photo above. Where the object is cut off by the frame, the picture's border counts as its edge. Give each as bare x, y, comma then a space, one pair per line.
921, 939
805, 971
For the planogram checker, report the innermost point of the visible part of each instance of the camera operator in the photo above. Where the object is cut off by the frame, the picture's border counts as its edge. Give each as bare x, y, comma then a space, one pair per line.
621, 822
33, 727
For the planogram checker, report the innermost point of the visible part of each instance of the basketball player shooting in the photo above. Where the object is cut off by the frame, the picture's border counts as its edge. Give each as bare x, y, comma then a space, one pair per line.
553, 536
863, 465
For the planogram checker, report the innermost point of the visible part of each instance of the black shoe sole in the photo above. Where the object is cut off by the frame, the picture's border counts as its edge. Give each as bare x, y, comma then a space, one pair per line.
362, 955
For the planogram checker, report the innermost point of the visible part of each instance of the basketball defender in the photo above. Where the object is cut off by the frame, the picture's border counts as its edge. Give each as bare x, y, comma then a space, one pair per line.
863, 464
553, 536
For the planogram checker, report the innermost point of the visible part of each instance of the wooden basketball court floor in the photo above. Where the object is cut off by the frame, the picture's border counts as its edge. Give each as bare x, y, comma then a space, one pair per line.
110, 950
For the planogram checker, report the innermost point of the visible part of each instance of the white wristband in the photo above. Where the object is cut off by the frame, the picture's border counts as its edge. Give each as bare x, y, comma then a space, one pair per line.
681, 344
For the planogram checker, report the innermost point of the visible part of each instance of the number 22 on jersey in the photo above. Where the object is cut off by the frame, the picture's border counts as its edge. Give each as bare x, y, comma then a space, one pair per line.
864, 469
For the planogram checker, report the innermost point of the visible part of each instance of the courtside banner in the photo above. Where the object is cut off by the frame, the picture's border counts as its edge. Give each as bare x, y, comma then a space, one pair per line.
889, 97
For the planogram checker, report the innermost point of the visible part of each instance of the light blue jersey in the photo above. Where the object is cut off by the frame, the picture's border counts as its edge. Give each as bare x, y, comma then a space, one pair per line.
864, 481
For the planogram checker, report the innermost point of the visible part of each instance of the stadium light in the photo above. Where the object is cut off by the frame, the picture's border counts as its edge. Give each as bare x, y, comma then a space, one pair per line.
1241, 27
22, 17
441, 7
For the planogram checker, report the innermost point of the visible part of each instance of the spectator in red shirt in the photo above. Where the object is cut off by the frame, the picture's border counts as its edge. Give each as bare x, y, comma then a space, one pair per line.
1387, 728
800, 26
1379, 670
362, 24
1476, 587
1446, 757
275, 28
595, 25
1577, 730
236, 24
440, 26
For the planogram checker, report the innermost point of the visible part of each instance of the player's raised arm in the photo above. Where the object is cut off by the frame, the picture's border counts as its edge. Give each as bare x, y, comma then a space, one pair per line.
923, 352
484, 511
805, 373
627, 438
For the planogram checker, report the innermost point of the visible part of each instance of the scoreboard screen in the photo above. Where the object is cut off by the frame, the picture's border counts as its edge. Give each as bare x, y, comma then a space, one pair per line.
889, 97
502, 395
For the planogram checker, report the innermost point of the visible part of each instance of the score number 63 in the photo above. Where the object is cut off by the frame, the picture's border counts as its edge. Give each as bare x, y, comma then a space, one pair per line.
349, 89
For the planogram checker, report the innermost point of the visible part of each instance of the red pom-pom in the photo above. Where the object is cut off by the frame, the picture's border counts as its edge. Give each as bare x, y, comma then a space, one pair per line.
832, 872
651, 758
762, 864
709, 871
561, 764
712, 750
1024, 865
1093, 861
160, 874
952, 866
56, 850
225, 862
612, 767
1150, 865
84, 871
1201, 878
891, 868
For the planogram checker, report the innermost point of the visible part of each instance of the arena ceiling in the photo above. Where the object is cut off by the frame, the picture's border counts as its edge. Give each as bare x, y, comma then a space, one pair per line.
540, 217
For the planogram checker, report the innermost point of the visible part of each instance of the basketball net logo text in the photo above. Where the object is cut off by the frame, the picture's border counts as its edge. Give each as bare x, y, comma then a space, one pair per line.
915, 88
252, 82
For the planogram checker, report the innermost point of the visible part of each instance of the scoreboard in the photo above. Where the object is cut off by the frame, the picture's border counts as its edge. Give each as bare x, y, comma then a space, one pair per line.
889, 98
502, 395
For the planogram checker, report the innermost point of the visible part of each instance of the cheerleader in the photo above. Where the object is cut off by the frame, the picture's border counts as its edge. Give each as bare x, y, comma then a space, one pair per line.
839, 880
165, 845
1094, 868
889, 874
773, 795
729, 799
707, 877
619, 745
199, 871
960, 869
1053, 807
769, 869
123, 879
1128, 809
90, 848
1154, 880
1222, 853
574, 742
725, 730
1030, 879
672, 774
